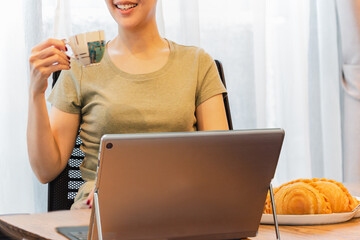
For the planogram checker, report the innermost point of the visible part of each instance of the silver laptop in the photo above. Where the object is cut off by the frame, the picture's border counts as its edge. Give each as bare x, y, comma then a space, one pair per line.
195, 185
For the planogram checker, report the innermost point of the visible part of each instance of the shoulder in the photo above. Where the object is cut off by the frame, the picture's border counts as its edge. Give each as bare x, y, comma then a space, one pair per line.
193, 52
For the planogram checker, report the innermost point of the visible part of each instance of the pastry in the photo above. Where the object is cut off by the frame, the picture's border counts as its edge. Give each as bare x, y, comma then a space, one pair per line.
339, 197
301, 198
311, 196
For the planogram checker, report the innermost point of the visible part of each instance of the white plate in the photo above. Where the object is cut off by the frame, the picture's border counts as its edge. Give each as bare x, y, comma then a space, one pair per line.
311, 219
357, 214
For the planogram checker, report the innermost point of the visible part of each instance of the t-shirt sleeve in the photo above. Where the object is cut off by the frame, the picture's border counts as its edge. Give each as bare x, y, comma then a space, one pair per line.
209, 82
66, 93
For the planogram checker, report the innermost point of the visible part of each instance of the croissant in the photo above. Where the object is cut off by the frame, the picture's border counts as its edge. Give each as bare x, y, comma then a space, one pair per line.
311, 196
301, 198
339, 197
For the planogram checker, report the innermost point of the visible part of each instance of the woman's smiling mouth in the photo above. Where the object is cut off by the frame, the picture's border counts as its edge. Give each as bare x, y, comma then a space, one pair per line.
126, 6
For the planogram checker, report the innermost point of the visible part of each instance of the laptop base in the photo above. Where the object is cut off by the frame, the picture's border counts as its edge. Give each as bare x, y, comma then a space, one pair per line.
221, 236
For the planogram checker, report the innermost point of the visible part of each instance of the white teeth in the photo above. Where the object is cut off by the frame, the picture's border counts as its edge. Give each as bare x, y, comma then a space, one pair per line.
126, 6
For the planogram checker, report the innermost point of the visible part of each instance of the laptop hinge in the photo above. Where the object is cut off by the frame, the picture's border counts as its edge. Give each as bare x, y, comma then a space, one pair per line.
274, 212
97, 215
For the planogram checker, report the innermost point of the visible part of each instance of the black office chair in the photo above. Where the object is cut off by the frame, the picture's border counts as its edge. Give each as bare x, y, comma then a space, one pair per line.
225, 95
62, 190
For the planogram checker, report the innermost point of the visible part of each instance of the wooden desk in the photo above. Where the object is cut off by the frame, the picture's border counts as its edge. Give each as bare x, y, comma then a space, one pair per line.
42, 226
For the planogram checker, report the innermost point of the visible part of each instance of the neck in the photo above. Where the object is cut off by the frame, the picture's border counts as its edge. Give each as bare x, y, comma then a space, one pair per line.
143, 40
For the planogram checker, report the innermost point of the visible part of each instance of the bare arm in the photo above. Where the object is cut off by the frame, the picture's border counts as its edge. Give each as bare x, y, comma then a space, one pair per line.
49, 142
211, 115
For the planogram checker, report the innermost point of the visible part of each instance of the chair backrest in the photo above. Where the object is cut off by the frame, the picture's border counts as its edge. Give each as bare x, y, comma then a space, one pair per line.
225, 95
62, 190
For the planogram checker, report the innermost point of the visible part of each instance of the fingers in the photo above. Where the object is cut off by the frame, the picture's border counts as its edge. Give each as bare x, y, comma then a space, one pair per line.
50, 51
52, 60
58, 67
46, 58
45, 72
48, 43
90, 198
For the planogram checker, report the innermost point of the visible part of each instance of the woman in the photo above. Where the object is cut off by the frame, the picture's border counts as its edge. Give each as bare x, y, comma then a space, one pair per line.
144, 84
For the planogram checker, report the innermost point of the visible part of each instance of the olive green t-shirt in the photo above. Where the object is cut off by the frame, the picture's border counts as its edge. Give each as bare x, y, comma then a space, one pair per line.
113, 101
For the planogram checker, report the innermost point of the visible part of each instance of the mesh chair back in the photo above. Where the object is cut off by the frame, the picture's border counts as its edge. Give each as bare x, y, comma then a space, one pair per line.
62, 190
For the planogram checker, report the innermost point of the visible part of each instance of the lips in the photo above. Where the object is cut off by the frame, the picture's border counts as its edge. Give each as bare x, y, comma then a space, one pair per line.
125, 5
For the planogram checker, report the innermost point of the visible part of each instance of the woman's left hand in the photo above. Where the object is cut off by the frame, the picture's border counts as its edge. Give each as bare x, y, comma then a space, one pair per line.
90, 198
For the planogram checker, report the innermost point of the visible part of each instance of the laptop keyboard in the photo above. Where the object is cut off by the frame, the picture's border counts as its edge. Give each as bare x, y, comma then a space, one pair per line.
80, 235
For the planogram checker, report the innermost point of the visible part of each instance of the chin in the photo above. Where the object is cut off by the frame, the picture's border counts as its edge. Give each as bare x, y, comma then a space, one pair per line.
128, 24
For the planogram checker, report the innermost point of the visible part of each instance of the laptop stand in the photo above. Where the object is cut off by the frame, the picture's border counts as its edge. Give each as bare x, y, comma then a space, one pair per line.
98, 222
97, 215
274, 212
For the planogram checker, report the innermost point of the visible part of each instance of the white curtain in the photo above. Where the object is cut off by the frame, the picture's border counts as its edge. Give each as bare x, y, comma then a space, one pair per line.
281, 66
349, 23
18, 186
303, 87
